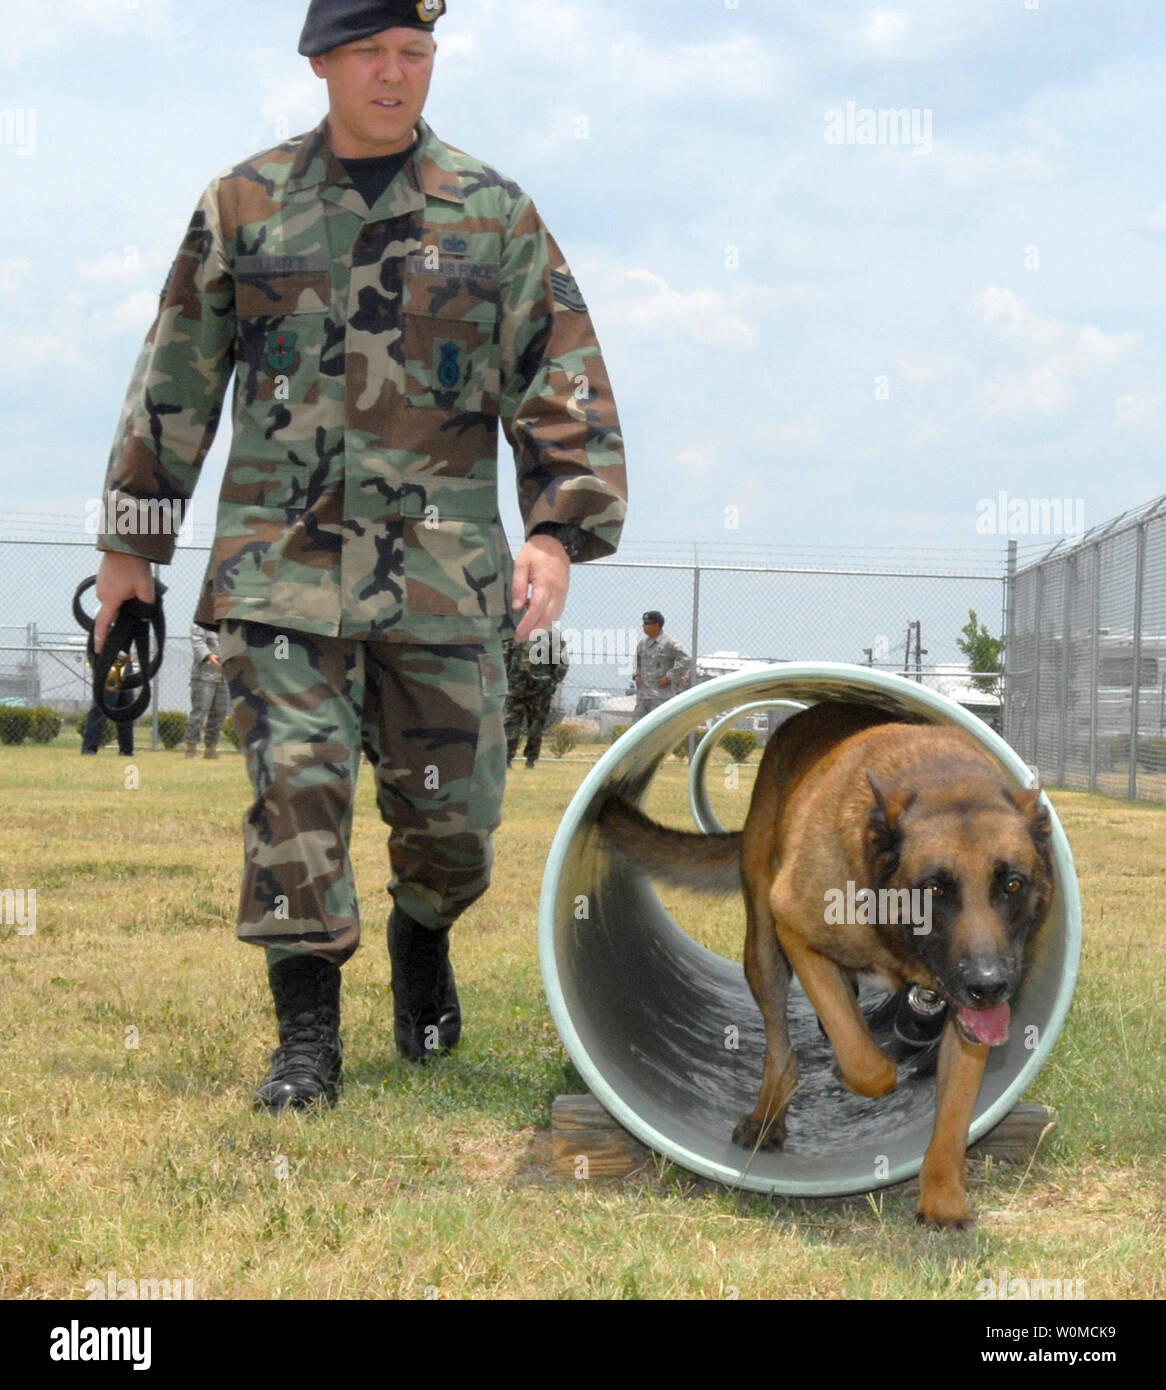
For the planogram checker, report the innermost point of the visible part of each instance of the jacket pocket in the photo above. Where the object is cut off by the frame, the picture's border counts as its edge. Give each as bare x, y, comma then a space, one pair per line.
451, 338
280, 318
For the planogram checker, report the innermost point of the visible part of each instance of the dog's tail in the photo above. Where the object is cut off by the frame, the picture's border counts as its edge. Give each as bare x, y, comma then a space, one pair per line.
710, 863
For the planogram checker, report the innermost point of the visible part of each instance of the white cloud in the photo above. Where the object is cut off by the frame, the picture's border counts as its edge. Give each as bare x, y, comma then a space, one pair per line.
1154, 221
68, 23
646, 304
886, 29
1070, 354
119, 267
133, 314
971, 168
14, 274
292, 98
1140, 410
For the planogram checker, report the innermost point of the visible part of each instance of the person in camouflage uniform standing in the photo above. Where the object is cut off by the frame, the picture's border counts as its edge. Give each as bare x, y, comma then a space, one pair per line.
384, 302
208, 691
662, 666
534, 671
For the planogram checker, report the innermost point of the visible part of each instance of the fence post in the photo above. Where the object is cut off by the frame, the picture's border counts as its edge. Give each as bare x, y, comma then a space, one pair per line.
1094, 665
1139, 583
1063, 693
695, 639
1038, 605
1007, 693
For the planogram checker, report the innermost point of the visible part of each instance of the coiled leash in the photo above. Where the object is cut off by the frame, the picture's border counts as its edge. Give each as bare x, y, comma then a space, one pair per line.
130, 631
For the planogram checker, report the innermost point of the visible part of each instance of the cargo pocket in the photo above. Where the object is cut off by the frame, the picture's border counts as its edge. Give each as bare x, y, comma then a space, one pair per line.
450, 344
488, 780
281, 318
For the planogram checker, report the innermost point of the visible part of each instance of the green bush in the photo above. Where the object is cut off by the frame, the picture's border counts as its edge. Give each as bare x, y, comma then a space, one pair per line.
46, 724
15, 724
229, 732
563, 737
618, 732
739, 743
171, 727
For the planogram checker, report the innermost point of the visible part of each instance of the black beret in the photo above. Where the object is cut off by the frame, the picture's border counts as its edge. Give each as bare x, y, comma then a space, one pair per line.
653, 615
331, 23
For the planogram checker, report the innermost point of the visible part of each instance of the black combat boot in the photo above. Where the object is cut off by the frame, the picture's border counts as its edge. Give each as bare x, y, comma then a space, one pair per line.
427, 1015
306, 1065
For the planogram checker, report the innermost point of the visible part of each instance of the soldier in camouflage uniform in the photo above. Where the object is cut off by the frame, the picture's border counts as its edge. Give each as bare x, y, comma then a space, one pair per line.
534, 671
208, 691
662, 666
384, 302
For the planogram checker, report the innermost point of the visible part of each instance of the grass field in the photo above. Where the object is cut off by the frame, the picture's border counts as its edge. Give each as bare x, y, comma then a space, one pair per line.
135, 1028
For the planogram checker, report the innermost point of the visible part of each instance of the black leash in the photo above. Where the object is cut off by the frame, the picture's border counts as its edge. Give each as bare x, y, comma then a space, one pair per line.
130, 631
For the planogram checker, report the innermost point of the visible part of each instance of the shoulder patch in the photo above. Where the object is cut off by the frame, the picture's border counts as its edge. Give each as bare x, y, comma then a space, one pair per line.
565, 292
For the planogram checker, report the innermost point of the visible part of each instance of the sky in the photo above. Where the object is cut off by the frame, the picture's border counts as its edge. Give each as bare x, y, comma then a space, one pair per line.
857, 269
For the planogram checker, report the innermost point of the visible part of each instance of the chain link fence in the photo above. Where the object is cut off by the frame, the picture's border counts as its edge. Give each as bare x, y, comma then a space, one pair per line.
730, 615
1082, 696
1085, 659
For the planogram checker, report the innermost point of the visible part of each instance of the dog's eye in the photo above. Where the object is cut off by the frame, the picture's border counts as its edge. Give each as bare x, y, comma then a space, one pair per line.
934, 888
1013, 883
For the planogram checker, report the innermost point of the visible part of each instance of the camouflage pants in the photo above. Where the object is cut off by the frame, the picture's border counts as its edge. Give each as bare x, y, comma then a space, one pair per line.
430, 720
208, 705
527, 709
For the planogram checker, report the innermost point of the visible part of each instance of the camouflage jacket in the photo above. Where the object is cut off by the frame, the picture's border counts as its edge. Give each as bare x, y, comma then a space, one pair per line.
535, 665
374, 353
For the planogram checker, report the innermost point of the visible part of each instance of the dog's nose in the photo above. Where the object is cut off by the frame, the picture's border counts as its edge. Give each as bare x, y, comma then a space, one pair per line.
984, 980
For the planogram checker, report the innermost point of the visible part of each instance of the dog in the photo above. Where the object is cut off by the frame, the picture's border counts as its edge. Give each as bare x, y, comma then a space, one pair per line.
853, 804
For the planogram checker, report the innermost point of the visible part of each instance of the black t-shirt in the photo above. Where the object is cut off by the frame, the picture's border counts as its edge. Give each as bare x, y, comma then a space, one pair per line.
373, 176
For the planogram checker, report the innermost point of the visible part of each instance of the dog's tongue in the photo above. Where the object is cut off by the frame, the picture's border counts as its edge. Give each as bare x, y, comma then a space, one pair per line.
988, 1026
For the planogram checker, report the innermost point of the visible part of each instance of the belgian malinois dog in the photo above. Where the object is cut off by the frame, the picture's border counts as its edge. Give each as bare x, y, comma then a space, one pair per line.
852, 806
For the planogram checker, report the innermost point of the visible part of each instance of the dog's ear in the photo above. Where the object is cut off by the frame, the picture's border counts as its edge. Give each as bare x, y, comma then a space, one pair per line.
1040, 826
883, 833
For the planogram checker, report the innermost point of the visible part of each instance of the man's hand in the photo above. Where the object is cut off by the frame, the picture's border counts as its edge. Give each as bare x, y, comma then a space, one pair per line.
543, 571
663, 682
119, 577
214, 661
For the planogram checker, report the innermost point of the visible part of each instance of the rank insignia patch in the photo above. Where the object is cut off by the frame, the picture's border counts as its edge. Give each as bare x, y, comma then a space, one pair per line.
565, 292
449, 366
281, 350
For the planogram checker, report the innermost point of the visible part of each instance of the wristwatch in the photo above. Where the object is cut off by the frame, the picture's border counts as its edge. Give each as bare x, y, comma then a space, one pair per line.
572, 538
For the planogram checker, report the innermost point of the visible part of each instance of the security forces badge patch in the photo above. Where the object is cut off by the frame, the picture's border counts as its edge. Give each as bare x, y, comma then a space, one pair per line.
430, 11
281, 350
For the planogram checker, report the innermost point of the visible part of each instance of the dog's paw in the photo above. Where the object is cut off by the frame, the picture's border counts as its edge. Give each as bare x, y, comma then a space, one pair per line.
944, 1209
754, 1133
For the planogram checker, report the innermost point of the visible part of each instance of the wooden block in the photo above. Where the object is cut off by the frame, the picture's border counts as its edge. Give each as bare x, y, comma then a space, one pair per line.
587, 1143
1017, 1135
